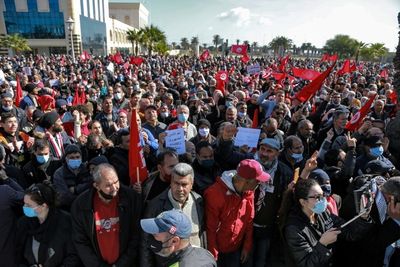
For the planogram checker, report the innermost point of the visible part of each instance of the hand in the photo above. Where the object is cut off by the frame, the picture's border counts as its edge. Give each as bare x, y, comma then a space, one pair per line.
30, 142
365, 127
244, 256
82, 139
161, 138
329, 237
330, 134
76, 116
311, 163
385, 143
107, 143
393, 209
244, 149
351, 142
15, 144
229, 132
137, 187
145, 136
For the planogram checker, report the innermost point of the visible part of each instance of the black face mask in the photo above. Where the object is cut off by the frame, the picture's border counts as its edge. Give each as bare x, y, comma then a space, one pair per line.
156, 246
105, 196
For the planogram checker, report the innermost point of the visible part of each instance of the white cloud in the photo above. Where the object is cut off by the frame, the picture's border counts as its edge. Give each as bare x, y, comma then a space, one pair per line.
239, 15
264, 21
210, 28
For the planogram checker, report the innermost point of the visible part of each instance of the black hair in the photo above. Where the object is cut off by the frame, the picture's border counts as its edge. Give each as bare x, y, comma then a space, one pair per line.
5, 116
40, 144
332, 157
201, 145
120, 134
288, 142
162, 155
43, 193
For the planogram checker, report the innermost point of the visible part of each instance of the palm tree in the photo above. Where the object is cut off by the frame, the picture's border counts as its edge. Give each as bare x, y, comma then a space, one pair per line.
204, 46
216, 41
194, 42
134, 37
15, 42
280, 44
152, 36
237, 41
184, 43
378, 50
343, 45
358, 46
173, 44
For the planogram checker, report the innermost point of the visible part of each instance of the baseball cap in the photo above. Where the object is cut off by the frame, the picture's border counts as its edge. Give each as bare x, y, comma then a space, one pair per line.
174, 222
252, 169
377, 167
271, 142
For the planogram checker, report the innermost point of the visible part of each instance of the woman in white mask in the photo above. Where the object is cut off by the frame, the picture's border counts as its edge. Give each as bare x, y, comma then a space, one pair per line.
203, 133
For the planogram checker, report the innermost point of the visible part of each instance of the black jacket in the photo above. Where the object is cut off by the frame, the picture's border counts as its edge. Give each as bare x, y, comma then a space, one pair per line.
204, 177
120, 160
84, 234
56, 248
302, 237
36, 173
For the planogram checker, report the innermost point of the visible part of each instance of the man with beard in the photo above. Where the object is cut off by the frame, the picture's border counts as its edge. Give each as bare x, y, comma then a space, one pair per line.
268, 198
105, 221
55, 134
7, 106
171, 231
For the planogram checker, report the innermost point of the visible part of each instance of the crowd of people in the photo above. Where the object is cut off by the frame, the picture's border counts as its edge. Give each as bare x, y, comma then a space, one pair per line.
67, 196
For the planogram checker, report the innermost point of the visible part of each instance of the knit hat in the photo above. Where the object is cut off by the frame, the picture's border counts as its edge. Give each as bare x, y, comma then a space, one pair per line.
72, 149
48, 119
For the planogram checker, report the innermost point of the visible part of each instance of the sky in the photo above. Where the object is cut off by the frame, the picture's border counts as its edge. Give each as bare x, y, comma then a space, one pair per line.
313, 21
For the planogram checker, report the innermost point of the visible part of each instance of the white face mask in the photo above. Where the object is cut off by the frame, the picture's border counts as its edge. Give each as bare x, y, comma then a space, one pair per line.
204, 132
164, 114
242, 114
118, 96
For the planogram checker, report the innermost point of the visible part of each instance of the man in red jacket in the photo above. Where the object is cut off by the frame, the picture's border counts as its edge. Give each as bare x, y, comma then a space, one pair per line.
230, 212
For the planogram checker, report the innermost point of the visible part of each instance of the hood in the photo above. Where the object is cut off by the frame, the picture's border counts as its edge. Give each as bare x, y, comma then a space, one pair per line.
226, 178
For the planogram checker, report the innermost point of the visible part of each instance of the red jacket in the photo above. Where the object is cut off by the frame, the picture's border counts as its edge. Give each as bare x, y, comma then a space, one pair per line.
229, 217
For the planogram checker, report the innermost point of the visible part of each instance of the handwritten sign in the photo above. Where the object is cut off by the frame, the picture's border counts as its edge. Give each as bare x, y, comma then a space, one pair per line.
175, 139
253, 69
247, 136
27, 71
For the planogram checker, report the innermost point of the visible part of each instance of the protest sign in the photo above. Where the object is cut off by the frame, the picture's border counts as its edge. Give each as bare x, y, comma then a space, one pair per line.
175, 139
247, 136
253, 69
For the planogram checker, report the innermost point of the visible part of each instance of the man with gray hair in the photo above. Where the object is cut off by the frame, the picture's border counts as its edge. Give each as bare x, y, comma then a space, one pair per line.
181, 197
105, 221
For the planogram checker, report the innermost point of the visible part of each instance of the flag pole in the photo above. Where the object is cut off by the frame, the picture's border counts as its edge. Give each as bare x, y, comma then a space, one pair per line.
137, 175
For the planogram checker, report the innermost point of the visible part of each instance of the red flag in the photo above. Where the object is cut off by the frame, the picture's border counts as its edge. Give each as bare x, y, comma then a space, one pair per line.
325, 57
94, 74
85, 55
137, 164
310, 89
117, 58
136, 60
126, 65
46, 102
245, 58
393, 97
79, 97
305, 74
222, 78
239, 49
345, 68
384, 73
283, 62
353, 67
358, 118
18, 92
254, 125
204, 55
266, 73
333, 57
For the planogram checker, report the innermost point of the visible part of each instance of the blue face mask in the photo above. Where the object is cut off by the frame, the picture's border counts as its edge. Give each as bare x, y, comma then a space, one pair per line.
297, 157
320, 206
376, 151
74, 163
29, 212
41, 159
182, 117
228, 104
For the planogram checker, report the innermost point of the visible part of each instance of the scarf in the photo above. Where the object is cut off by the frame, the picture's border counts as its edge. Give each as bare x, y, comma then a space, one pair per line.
56, 146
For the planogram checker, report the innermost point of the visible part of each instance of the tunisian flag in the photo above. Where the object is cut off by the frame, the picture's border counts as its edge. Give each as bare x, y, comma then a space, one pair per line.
384, 73
136, 60
305, 74
222, 78
18, 92
137, 164
283, 63
345, 68
85, 55
117, 58
79, 98
358, 118
205, 55
310, 89
239, 49
327, 57
245, 58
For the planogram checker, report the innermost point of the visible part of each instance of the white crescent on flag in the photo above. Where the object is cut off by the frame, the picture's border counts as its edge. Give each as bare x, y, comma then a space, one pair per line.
239, 49
355, 118
223, 76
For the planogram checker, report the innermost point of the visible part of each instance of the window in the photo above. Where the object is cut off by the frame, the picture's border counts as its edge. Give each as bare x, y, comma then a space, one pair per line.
21, 5
43, 5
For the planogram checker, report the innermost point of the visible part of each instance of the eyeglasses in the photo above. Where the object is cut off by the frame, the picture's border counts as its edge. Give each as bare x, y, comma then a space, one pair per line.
317, 197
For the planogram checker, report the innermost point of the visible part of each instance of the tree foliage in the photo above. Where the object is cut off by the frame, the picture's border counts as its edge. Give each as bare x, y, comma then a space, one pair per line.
280, 45
15, 42
373, 52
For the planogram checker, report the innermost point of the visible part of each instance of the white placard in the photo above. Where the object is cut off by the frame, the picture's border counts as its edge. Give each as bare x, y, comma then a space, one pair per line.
188, 73
27, 71
247, 136
253, 69
176, 139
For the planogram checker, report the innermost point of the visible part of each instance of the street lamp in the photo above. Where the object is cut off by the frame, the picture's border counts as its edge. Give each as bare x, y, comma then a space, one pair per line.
70, 25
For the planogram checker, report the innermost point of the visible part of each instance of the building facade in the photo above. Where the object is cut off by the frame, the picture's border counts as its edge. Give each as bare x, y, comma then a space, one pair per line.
43, 24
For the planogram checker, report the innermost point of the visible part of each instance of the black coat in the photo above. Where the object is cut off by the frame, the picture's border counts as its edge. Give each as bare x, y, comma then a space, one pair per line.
56, 248
84, 234
36, 173
120, 160
302, 237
